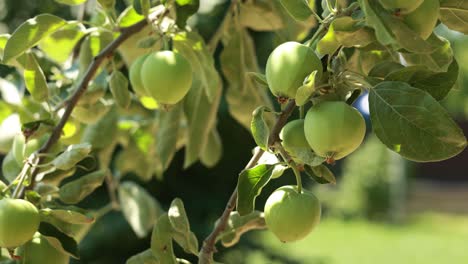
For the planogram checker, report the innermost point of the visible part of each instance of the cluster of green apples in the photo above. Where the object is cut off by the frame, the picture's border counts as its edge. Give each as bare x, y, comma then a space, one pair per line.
19, 225
166, 76
419, 15
331, 129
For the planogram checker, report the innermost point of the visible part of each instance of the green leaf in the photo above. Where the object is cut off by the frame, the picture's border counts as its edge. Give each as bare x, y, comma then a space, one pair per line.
193, 48
161, 240
412, 123
71, 156
201, 117
321, 174
107, 4
439, 60
68, 216
260, 16
133, 159
390, 30
139, 208
304, 92
102, 133
237, 225
166, 137
118, 85
437, 84
75, 191
178, 216
184, 9
306, 156
30, 33
142, 6
351, 33
90, 113
259, 127
145, 257
34, 78
59, 240
56, 176
213, 150
250, 185
454, 14
59, 45
259, 78
71, 2
328, 44
298, 9
129, 17
243, 94
188, 241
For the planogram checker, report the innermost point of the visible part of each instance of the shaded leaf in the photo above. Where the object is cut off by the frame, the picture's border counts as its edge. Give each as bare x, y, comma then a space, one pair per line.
59, 240
139, 208
71, 156
438, 61
454, 14
118, 85
184, 9
193, 48
102, 133
259, 127
75, 191
145, 257
166, 137
188, 241
260, 16
142, 6
201, 117
243, 94
34, 78
161, 240
299, 10
390, 30
321, 174
67, 215
213, 150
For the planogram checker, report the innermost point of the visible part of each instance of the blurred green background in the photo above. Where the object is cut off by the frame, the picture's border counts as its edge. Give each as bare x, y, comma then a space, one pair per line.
383, 209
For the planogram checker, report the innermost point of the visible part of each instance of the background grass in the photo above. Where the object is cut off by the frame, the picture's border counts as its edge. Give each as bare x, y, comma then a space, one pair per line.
424, 239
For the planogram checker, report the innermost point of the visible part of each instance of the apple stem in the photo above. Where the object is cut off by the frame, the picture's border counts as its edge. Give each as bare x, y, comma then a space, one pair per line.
291, 164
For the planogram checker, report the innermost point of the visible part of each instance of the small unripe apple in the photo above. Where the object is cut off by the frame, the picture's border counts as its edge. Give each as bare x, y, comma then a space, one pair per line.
334, 129
287, 67
166, 76
424, 18
291, 215
293, 138
19, 220
135, 76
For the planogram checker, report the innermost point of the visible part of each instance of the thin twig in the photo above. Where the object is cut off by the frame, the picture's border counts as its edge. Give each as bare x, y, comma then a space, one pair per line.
206, 253
83, 85
111, 187
286, 157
